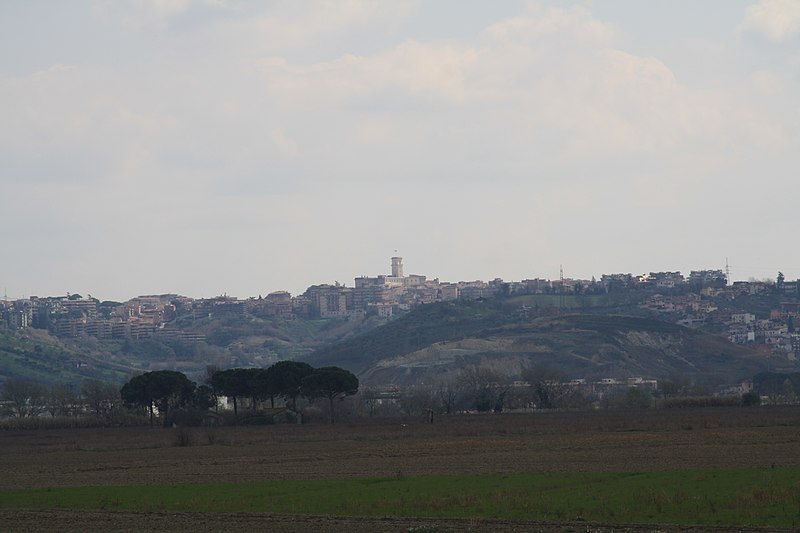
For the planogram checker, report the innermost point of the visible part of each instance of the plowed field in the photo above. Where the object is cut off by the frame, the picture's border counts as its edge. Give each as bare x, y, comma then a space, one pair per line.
463, 444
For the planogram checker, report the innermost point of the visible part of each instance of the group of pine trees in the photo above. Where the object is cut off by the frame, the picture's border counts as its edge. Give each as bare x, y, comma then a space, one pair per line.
165, 390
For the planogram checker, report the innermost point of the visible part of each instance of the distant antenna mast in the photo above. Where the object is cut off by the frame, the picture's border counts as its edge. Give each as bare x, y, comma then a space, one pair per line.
561, 286
727, 272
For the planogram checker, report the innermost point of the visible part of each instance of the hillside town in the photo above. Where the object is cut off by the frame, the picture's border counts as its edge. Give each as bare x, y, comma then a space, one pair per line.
759, 313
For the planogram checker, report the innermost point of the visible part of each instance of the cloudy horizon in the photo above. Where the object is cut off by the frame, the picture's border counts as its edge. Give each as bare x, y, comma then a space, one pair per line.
210, 147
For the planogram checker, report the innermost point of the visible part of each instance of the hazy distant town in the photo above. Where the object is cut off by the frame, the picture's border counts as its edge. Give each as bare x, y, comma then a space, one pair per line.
704, 299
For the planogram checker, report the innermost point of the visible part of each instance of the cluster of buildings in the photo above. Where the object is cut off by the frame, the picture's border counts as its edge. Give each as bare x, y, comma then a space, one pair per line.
386, 295
703, 299
76, 316
150, 316
719, 309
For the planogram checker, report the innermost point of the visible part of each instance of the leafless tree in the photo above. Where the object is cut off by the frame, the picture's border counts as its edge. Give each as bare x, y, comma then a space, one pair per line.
479, 385
417, 400
101, 397
550, 388
448, 395
23, 398
61, 400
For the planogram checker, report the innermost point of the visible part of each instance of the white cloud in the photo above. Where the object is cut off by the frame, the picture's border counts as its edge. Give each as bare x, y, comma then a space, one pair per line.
285, 144
141, 15
777, 20
604, 102
576, 22
54, 70
283, 26
420, 70
164, 8
423, 69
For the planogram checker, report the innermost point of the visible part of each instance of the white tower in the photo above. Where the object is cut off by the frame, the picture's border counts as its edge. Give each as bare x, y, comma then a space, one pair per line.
397, 267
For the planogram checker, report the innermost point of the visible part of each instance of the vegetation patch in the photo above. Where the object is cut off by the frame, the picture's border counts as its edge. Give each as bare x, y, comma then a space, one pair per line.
756, 497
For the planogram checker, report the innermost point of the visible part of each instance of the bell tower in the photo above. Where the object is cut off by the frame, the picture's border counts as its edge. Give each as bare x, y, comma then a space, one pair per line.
397, 267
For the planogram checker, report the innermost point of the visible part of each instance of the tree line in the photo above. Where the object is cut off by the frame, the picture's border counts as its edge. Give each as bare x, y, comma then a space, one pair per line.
162, 391
171, 397
482, 389
22, 398
165, 393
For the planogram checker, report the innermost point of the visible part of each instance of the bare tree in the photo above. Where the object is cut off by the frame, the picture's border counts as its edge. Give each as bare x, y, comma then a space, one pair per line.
478, 383
101, 397
417, 400
448, 395
61, 400
550, 388
371, 400
24, 398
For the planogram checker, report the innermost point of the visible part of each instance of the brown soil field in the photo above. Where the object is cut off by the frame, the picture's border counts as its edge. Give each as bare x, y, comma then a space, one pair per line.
645, 440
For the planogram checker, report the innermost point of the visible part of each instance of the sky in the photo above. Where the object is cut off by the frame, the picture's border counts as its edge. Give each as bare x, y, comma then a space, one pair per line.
232, 147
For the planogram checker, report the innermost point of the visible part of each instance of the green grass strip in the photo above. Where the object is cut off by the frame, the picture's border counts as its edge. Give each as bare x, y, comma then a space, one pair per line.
758, 497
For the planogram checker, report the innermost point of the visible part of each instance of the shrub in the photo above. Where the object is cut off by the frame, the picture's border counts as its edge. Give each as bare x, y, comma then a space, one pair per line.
312, 414
637, 399
257, 420
702, 401
185, 417
119, 419
750, 399
183, 437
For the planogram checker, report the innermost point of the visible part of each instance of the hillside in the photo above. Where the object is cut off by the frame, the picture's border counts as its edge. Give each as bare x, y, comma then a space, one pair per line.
582, 346
431, 341
423, 326
36, 356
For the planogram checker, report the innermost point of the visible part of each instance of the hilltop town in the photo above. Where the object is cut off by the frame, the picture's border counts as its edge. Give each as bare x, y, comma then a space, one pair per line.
760, 313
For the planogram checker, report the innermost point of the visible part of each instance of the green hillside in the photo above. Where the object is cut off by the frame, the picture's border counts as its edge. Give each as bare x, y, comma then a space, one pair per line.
506, 334
421, 327
36, 356
598, 346
437, 341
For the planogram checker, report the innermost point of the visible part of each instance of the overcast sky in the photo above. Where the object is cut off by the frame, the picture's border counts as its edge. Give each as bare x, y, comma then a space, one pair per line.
209, 147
